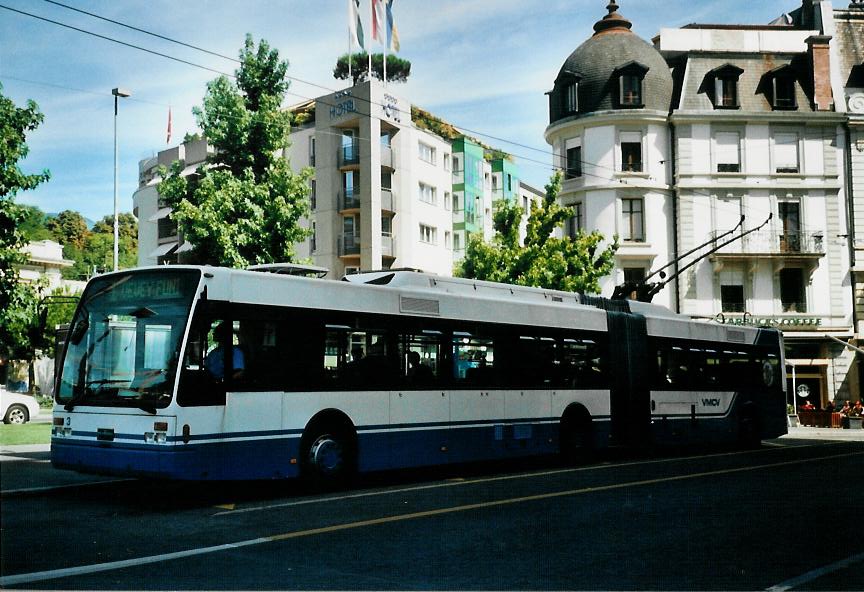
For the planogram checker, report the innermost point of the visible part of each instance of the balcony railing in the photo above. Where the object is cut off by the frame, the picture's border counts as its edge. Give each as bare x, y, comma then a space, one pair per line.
774, 243
387, 199
349, 154
386, 157
349, 244
349, 199
388, 246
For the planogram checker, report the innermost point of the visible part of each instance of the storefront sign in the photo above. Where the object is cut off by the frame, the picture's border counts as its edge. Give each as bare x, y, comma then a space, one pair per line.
797, 322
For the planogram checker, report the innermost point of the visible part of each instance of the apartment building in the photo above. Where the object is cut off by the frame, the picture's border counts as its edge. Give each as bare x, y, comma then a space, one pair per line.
386, 192
669, 145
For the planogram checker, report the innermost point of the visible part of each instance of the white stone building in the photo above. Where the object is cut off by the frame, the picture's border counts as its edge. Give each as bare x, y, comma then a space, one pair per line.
668, 146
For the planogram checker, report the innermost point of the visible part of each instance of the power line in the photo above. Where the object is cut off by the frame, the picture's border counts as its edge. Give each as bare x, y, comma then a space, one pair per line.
146, 32
553, 166
112, 40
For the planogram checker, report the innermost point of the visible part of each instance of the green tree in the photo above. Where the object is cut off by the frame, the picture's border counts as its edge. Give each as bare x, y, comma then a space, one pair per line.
34, 224
398, 70
572, 264
69, 229
245, 205
16, 299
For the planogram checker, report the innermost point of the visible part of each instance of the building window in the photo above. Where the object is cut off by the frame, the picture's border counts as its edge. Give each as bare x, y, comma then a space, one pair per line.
789, 213
726, 93
732, 298
446, 161
575, 223
792, 290
574, 163
428, 194
312, 151
786, 153
457, 164
631, 152
727, 152
386, 226
783, 87
448, 201
313, 239
634, 275
631, 90
428, 234
426, 153
457, 241
571, 98
633, 220
166, 228
386, 181
447, 239
724, 81
313, 194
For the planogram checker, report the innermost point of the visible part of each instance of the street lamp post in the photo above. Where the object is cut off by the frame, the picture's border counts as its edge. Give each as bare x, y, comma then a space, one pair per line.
117, 92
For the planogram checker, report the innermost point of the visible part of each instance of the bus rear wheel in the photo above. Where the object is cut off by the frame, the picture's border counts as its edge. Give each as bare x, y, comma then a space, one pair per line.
576, 437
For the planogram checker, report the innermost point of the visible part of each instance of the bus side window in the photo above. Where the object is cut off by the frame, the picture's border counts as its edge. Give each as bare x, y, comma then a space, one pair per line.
473, 361
420, 360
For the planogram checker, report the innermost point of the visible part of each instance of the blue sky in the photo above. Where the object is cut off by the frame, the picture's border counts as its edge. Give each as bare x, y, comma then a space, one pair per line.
483, 65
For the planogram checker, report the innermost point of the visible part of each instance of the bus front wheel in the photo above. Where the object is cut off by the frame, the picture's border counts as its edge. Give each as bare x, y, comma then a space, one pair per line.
328, 457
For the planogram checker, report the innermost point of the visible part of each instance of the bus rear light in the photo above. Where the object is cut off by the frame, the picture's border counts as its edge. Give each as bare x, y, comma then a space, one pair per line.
58, 421
161, 426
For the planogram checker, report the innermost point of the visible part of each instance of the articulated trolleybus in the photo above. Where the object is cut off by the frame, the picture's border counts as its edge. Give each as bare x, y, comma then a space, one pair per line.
207, 373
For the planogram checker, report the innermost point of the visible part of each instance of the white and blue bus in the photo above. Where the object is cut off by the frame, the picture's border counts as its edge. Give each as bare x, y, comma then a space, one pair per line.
203, 373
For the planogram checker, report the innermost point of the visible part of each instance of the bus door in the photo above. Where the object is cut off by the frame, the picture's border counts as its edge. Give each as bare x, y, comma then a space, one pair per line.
630, 390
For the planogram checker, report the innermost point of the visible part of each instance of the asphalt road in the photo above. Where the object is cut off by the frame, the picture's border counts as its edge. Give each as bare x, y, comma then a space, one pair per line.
773, 517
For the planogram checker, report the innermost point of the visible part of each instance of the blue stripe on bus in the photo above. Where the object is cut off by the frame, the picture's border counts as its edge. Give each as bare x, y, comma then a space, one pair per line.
272, 458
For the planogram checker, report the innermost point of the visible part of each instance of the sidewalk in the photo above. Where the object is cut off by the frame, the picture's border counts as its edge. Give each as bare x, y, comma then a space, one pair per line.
809, 433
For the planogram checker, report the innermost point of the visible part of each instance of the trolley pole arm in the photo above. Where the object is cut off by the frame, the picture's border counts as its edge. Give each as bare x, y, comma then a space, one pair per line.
693, 250
646, 292
846, 343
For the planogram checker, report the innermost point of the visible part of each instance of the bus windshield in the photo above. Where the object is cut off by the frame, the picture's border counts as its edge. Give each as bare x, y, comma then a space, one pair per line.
124, 342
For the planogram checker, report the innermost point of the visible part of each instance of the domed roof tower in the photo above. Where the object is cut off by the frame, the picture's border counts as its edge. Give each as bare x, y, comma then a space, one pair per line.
601, 73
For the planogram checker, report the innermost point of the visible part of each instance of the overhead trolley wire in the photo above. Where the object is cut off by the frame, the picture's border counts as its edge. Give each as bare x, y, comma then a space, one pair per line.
554, 167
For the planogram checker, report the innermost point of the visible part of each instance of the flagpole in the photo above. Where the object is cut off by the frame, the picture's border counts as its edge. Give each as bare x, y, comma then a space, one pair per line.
350, 47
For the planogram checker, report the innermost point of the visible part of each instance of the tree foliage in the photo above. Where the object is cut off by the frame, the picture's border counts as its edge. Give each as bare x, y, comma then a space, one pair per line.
398, 69
572, 264
16, 299
243, 206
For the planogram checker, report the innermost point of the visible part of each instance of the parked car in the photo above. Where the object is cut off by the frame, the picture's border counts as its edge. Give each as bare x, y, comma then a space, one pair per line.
17, 407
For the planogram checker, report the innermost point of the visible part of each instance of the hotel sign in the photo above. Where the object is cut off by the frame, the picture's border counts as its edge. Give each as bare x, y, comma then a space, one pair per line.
343, 103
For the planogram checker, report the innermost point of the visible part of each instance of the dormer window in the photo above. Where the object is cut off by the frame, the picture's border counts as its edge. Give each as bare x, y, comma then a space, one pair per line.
782, 88
630, 79
571, 98
567, 91
725, 86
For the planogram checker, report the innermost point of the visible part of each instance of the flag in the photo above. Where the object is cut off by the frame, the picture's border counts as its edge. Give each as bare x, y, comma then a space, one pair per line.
377, 33
355, 25
392, 32
168, 139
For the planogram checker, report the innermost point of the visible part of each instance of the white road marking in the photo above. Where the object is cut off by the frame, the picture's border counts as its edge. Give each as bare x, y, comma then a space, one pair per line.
816, 574
27, 578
